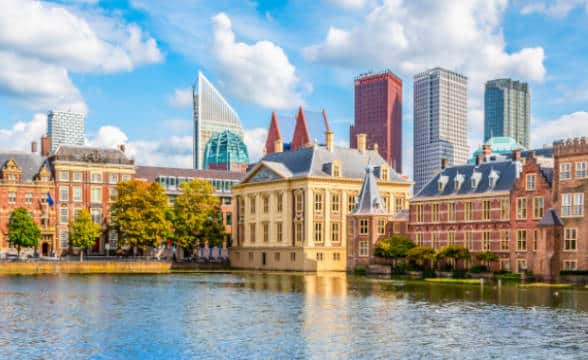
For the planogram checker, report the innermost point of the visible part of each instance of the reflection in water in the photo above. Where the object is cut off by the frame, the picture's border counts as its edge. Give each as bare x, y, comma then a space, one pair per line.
284, 316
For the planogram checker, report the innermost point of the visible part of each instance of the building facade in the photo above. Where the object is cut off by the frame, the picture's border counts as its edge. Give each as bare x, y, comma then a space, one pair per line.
440, 122
65, 128
212, 115
292, 206
507, 110
226, 151
378, 114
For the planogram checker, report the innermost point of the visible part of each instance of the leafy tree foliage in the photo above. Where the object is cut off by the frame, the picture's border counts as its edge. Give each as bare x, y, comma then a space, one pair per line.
197, 216
394, 247
83, 232
141, 214
22, 230
421, 254
453, 253
487, 257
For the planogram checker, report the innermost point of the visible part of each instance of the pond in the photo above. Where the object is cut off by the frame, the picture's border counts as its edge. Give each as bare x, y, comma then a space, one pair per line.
286, 316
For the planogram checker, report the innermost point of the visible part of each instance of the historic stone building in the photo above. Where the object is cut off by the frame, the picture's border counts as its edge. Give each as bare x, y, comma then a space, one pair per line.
292, 206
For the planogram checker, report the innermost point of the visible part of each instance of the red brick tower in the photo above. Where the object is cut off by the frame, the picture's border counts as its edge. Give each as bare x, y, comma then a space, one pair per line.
378, 113
301, 137
273, 134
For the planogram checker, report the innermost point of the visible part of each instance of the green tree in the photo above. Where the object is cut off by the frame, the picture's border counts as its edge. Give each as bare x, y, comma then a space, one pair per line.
141, 214
196, 216
422, 255
83, 232
22, 230
453, 253
487, 257
394, 247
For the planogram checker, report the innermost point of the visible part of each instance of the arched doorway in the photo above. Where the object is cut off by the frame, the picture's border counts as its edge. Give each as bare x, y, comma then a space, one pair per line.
45, 249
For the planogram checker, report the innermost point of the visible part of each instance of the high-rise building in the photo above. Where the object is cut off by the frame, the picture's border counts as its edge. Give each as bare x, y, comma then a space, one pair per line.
440, 122
378, 114
212, 115
507, 110
65, 128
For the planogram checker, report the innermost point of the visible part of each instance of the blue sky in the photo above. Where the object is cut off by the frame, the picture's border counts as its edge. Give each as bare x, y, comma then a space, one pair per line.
129, 64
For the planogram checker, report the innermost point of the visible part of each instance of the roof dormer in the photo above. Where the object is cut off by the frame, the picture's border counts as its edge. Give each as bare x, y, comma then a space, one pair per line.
493, 178
11, 172
458, 181
443, 180
475, 180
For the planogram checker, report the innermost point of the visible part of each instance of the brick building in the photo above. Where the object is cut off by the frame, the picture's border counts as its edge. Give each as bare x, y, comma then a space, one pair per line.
378, 114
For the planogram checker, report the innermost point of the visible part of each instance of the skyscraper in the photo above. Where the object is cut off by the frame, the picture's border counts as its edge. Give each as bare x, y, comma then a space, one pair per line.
507, 110
212, 115
378, 114
440, 122
65, 128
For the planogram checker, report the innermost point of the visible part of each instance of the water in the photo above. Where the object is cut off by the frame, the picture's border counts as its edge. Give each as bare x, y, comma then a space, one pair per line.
331, 316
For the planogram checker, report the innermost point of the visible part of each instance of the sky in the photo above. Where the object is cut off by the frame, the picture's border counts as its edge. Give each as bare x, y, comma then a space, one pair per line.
130, 64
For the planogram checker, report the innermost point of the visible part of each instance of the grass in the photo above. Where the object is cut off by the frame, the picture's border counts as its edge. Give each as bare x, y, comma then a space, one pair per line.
454, 281
546, 285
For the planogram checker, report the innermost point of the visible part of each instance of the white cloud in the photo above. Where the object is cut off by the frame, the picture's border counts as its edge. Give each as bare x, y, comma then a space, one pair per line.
566, 126
255, 141
181, 98
259, 73
22, 133
557, 8
350, 4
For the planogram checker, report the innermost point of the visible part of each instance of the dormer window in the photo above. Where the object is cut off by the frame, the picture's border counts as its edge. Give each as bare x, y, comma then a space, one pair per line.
441, 183
336, 168
475, 180
384, 173
459, 178
493, 178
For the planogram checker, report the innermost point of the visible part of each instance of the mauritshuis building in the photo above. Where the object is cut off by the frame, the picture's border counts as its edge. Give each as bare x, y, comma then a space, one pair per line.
507, 110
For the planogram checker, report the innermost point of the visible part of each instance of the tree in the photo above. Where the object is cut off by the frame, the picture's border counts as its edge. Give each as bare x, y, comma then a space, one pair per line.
196, 215
487, 257
394, 247
22, 230
83, 232
453, 253
421, 254
141, 214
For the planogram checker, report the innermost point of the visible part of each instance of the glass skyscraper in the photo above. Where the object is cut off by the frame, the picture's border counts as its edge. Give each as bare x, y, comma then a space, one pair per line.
212, 115
507, 110
65, 128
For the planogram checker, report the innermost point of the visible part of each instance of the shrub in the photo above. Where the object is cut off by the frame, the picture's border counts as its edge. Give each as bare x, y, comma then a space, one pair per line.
573, 272
428, 273
476, 269
360, 270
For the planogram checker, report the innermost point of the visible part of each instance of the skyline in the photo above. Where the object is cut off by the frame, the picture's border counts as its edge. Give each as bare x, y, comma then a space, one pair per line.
131, 69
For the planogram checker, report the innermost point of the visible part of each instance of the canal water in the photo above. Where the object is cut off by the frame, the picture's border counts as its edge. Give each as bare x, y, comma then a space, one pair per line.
284, 316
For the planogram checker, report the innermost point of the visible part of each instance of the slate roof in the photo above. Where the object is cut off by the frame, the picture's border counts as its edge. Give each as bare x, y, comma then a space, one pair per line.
547, 174
316, 161
29, 163
91, 154
150, 173
369, 200
551, 219
507, 172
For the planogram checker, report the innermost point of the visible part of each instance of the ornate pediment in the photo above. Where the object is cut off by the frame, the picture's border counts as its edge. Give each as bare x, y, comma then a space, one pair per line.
11, 171
44, 174
263, 174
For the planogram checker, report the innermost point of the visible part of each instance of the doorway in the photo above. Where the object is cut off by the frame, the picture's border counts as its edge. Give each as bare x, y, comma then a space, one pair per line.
263, 259
45, 249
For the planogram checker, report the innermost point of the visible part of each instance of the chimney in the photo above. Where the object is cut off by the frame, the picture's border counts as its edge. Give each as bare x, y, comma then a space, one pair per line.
329, 135
487, 150
45, 145
34, 147
516, 155
479, 159
361, 138
376, 148
278, 146
444, 163
122, 147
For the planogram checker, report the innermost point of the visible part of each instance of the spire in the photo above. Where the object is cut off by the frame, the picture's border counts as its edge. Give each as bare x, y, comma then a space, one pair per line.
369, 200
273, 134
301, 137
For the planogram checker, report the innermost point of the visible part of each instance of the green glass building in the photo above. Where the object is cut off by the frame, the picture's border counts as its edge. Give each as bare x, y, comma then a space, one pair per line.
226, 151
507, 110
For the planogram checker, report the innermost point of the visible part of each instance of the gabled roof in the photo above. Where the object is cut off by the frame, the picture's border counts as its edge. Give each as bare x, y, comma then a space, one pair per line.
551, 219
369, 201
30, 164
91, 155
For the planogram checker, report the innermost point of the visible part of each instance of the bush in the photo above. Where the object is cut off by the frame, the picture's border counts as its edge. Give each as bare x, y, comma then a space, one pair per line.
428, 273
399, 269
476, 269
360, 270
508, 277
573, 272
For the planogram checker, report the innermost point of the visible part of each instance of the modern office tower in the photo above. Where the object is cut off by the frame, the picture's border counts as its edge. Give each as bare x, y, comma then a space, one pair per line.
65, 128
378, 114
507, 110
440, 123
212, 115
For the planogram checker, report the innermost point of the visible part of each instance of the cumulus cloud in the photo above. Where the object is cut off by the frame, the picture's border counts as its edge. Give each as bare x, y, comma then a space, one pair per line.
259, 73
22, 133
557, 8
255, 141
180, 98
566, 126
42, 43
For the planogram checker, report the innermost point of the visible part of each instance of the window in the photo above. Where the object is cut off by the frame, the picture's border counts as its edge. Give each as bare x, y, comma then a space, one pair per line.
279, 234
335, 237
265, 204
318, 232
252, 205
292, 256
335, 203
435, 240
572, 204
451, 237
319, 256
298, 232
521, 208
12, 197
536, 238
77, 212
63, 193
505, 241
96, 195
277, 257
581, 169
363, 248
77, 193
451, 211
521, 265
265, 232
570, 237
77, 176
381, 226
96, 178
112, 194
113, 239
318, 202
578, 209
570, 265
384, 173
398, 204
565, 171
521, 240
299, 202
419, 213
113, 179
505, 209
538, 205
63, 176
419, 239
28, 198
351, 200
64, 239
279, 202
396, 228
126, 177
468, 210
96, 215
469, 240
336, 256
531, 182
63, 215
336, 170
252, 233
486, 241
486, 212
435, 212
363, 227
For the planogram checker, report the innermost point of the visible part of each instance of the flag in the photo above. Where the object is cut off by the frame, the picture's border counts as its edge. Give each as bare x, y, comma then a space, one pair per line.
50, 199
